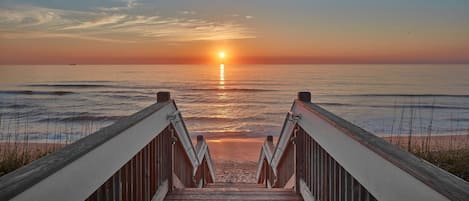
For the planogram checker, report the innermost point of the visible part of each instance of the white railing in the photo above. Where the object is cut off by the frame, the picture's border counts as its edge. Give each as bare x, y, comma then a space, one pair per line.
336, 160
79, 170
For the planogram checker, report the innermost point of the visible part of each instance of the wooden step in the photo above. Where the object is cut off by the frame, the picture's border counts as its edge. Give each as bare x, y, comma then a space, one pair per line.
243, 193
235, 185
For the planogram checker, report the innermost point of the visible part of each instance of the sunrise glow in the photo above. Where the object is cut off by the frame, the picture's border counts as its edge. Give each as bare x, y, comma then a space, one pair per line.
161, 32
221, 55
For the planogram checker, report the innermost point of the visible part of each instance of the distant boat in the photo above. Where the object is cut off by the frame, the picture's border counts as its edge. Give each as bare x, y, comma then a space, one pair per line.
72, 64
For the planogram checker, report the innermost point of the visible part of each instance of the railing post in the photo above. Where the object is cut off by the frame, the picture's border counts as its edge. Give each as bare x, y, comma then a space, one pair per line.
163, 96
304, 96
200, 138
270, 139
268, 169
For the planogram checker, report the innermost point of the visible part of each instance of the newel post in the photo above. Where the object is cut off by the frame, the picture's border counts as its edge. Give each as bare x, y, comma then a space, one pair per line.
200, 138
163, 96
270, 139
304, 96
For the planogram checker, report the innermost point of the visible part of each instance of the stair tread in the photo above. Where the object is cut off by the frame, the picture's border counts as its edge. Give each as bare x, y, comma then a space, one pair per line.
233, 191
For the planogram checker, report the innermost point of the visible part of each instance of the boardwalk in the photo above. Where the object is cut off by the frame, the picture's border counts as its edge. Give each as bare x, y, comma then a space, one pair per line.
150, 156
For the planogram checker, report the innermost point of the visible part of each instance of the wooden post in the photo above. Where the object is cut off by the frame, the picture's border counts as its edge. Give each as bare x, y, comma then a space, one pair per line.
200, 138
270, 138
163, 96
304, 96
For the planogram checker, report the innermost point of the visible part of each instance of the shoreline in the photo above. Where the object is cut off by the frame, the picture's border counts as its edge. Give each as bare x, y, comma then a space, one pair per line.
235, 159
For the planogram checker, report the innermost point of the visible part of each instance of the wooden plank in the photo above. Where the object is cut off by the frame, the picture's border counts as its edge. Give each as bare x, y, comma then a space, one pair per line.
162, 191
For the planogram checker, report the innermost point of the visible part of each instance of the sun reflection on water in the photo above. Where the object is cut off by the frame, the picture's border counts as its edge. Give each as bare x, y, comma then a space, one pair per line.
222, 76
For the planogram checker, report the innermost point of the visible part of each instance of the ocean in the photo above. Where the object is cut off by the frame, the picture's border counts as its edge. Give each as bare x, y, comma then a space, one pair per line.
66, 102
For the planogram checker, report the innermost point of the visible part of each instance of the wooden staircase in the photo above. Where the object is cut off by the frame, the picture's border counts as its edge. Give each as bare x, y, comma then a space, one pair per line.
233, 191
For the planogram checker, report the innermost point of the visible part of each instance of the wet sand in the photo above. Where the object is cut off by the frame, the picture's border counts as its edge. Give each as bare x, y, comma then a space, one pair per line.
235, 159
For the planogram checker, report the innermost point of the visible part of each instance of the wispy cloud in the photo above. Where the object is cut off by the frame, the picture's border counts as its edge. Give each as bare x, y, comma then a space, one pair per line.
107, 26
39, 35
128, 5
187, 12
113, 19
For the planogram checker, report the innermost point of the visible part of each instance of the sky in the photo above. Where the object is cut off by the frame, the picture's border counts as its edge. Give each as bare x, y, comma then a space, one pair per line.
248, 31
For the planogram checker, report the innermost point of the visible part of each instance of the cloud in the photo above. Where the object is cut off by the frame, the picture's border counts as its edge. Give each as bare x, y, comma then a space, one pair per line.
115, 26
28, 17
129, 4
248, 17
39, 35
187, 12
99, 22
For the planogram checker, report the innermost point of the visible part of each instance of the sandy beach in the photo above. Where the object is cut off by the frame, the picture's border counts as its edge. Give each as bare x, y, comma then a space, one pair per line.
235, 159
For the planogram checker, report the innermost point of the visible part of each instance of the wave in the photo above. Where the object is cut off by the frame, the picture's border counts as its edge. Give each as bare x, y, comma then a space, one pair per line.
336, 104
85, 81
15, 105
409, 95
415, 106
225, 134
128, 97
459, 119
233, 89
421, 107
29, 92
81, 119
222, 119
71, 85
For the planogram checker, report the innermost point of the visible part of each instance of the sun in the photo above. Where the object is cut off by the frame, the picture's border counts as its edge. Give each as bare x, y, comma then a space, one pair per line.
221, 55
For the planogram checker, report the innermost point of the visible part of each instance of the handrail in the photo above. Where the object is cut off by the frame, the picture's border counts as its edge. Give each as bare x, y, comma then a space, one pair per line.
330, 151
264, 164
205, 171
275, 154
120, 154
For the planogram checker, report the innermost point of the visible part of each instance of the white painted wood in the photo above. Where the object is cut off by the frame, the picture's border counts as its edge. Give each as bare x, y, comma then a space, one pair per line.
266, 154
177, 182
260, 163
305, 192
80, 178
83, 176
205, 152
161, 192
183, 134
210, 163
201, 153
291, 182
380, 177
284, 139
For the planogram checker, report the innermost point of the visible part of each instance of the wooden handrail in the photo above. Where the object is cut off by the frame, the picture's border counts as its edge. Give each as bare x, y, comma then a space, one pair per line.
334, 159
131, 159
205, 172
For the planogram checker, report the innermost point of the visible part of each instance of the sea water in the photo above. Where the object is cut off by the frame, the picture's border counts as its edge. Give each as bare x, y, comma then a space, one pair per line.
67, 102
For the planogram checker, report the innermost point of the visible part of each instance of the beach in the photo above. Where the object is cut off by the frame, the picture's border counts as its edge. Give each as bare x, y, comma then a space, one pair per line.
235, 159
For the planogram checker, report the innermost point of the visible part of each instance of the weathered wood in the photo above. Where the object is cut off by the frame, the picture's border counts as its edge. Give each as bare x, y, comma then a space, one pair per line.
304, 96
139, 186
126, 161
163, 96
336, 160
233, 194
163, 189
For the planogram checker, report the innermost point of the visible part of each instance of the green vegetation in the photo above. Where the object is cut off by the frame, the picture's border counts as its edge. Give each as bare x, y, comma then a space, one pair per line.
453, 161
